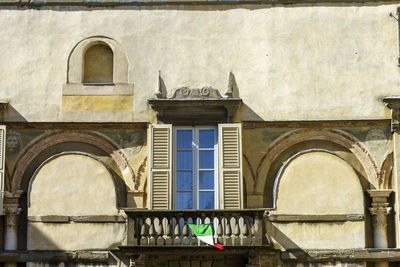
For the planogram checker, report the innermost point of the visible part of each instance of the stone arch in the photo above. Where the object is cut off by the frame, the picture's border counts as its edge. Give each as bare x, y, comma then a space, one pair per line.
29, 160
76, 57
327, 137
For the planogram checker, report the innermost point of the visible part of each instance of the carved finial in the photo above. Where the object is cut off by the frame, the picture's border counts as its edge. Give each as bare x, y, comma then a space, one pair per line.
161, 91
232, 90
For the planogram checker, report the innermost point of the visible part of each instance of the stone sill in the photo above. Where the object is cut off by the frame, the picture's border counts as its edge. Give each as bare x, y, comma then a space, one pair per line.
316, 218
73, 89
108, 3
367, 254
77, 219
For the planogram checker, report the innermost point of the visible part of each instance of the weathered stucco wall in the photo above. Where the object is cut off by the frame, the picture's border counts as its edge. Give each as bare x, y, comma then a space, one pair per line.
73, 185
290, 62
319, 183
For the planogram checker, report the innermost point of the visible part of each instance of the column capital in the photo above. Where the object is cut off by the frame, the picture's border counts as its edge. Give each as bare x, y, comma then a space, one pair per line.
379, 195
11, 213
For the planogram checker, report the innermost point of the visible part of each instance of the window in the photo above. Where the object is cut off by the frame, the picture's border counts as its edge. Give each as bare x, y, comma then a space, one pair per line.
195, 168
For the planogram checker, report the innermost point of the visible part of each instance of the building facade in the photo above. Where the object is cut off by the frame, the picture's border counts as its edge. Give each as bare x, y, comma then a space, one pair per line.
275, 121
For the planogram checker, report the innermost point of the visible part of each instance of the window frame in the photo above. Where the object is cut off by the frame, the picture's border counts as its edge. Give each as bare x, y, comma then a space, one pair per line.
195, 164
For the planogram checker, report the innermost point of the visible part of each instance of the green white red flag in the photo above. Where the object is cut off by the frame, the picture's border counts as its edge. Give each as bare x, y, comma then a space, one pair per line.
204, 233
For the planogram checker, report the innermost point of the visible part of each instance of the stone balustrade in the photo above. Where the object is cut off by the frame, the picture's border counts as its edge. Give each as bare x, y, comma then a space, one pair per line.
169, 227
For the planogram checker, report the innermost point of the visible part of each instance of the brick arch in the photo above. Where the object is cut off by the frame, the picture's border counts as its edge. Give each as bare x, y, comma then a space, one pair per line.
56, 138
335, 136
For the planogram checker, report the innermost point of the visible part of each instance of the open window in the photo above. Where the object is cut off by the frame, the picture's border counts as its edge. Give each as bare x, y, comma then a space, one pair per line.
195, 167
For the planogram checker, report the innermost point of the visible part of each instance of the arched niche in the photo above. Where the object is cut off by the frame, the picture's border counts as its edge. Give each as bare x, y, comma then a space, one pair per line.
335, 141
87, 188
98, 64
77, 57
319, 202
318, 181
72, 205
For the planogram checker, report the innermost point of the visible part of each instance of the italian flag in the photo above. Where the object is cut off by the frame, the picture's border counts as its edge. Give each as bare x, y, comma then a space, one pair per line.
204, 233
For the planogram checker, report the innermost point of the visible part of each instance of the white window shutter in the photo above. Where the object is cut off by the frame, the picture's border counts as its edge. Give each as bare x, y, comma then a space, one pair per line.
160, 166
230, 165
2, 164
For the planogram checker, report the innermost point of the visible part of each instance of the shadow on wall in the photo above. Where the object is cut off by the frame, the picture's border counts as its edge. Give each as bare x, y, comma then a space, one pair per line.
11, 114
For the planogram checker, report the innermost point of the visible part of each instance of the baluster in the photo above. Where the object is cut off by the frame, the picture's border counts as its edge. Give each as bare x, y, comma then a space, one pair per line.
228, 232
168, 231
245, 233
143, 234
236, 232
160, 232
194, 241
185, 232
256, 232
152, 238
220, 239
177, 233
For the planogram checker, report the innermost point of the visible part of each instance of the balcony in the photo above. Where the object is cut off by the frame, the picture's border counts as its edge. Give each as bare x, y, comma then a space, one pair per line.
168, 228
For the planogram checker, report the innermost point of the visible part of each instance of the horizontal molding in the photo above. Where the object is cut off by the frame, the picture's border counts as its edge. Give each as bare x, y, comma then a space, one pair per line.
315, 217
72, 89
111, 3
77, 219
55, 256
75, 125
316, 123
368, 254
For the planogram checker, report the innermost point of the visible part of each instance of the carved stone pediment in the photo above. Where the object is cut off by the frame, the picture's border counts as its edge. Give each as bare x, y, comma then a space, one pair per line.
202, 93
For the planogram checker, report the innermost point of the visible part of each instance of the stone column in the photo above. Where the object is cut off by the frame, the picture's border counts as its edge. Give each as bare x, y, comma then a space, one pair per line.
11, 212
393, 103
380, 210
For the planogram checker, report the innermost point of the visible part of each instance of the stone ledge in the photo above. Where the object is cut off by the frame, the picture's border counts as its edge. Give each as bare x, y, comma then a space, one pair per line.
111, 3
77, 219
72, 89
350, 255
316, 218
55, 256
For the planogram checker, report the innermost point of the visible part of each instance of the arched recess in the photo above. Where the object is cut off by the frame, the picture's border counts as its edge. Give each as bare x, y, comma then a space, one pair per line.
88, 142
317, 181
87, 176
74, 189
336, 141
76, 60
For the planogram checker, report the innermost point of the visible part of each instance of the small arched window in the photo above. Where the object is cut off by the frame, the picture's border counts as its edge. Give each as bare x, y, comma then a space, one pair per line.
98, 64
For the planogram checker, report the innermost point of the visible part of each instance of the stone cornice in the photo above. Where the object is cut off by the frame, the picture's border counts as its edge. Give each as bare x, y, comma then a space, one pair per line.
116, 3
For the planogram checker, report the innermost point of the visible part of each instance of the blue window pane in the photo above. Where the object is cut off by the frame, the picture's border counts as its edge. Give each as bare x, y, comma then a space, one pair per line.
206, 180
206, 138
184, 200
206, 159
206, 200
184, 160
184, 139
184, 180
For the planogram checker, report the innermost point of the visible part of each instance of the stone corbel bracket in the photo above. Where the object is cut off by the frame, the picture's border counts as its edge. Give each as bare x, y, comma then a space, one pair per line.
393, 103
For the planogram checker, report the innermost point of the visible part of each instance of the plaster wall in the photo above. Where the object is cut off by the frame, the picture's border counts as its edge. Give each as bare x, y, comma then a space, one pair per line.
74, 236
290, 62
72, 185
319, 183
311, 235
